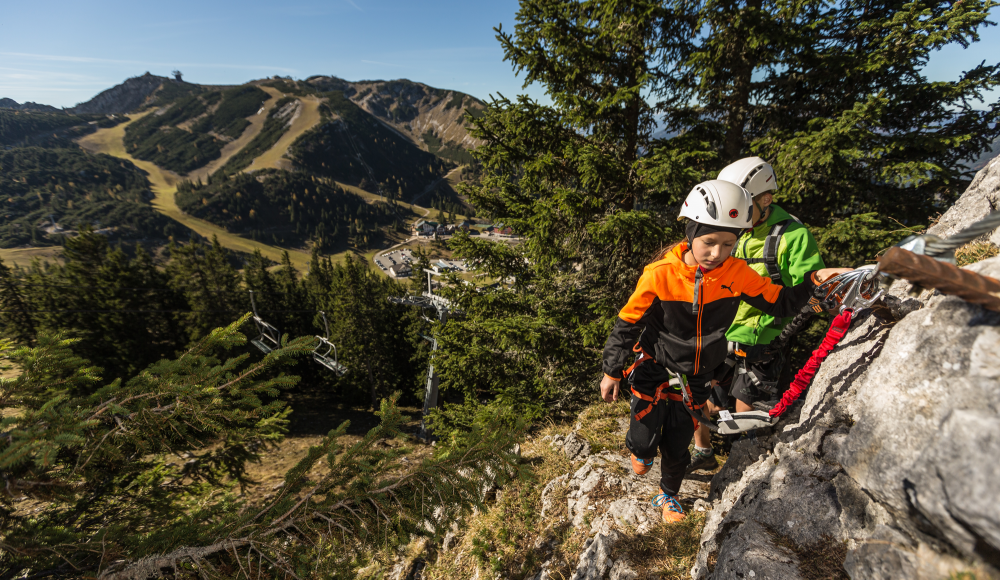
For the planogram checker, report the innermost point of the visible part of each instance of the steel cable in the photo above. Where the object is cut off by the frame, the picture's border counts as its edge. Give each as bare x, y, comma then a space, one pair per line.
937, 247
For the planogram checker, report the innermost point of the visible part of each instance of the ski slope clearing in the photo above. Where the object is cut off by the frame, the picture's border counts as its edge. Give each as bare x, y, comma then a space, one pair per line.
164, 186
308, 118
231, 148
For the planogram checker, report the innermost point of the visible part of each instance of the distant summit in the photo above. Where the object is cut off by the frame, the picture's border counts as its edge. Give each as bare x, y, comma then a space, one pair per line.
124, 98
29, 106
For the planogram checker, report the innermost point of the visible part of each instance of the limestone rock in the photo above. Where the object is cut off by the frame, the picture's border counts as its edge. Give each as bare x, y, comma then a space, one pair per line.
574, 446
889, 460
982, 196
124, 98
595, 561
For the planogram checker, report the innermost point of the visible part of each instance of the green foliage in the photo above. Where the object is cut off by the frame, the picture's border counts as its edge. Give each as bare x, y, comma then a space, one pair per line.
87, 456
291, 87
569, 177
129, 312
291, 205
387, 162
835, 97
274, 127
450, 150
859, 238
157, 137
78, 190
101, 464
229, 117
96, 295
171, 90
456, 101
23, 128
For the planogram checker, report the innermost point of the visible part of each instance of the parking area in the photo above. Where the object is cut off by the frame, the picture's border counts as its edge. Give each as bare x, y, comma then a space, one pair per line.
396, 263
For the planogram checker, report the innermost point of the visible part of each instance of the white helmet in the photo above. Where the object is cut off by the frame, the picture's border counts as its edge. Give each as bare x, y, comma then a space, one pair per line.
751, 173
719, 203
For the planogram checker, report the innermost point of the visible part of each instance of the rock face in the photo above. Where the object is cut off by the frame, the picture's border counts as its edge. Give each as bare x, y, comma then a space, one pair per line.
123, 98
28, 106
413, 109
889, 467
982, 197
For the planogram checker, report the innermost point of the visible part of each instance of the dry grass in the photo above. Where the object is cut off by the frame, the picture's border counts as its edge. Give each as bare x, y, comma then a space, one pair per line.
604, 426
668, 551
502, 539
24, 256
975, 252
164, 186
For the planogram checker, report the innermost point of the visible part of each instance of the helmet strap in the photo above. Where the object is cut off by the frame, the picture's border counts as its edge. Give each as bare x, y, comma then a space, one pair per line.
765, 212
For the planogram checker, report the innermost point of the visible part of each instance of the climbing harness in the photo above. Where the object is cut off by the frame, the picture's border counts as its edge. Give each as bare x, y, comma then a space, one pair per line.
728, 424
325, 348
269, 338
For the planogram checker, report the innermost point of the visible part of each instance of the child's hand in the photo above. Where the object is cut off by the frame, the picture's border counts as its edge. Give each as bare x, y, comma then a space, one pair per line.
609, 389
827, 273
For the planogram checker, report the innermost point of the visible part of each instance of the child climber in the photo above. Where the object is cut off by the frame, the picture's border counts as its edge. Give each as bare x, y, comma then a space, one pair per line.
778, 246
677, 319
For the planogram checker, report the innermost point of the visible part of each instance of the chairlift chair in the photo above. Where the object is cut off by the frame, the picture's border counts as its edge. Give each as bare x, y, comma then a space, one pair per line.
321, 353
269, 338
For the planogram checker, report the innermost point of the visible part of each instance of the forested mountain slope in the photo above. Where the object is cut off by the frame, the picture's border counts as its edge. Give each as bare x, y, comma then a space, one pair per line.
51, 193
352, 147
286, 207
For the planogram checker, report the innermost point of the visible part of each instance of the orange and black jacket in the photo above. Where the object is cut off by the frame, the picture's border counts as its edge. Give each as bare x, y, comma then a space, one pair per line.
680, 313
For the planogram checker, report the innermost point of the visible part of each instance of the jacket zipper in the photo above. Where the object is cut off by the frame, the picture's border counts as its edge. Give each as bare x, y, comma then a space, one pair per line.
696, 310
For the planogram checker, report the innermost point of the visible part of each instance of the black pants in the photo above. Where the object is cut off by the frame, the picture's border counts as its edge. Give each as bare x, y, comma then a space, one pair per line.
667, 426
766, 369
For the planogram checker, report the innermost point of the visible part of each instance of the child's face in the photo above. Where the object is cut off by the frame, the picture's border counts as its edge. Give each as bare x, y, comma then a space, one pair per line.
711, 250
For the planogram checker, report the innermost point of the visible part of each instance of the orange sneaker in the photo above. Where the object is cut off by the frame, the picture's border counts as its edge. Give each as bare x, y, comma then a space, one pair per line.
641, 466
672, 510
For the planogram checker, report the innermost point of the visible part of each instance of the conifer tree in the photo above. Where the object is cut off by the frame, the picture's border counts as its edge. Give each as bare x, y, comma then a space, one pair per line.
115, 501
571, 179
209, 284
835, 96
16, 316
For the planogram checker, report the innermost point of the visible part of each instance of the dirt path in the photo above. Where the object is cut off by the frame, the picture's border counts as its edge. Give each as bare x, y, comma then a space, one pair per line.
164, 185
308, 118
231, 148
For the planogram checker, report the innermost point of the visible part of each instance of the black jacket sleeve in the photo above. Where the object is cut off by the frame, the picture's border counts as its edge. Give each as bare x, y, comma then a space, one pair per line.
619, 346
788, 301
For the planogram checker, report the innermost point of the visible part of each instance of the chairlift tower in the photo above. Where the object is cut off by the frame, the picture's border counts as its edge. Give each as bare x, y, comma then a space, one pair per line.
444, 309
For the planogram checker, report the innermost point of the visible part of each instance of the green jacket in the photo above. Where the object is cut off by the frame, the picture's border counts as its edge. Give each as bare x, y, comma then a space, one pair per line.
798, 254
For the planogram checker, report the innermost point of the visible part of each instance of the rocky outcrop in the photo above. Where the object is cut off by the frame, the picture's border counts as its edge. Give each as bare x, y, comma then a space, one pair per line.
888, 467
28, 106
412, 108
124, 98
982, 197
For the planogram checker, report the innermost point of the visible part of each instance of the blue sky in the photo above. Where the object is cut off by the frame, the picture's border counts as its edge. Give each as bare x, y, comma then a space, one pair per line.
62, 53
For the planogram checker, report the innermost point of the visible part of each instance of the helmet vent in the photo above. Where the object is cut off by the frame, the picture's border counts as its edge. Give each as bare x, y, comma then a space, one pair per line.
750, 175
709, 204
